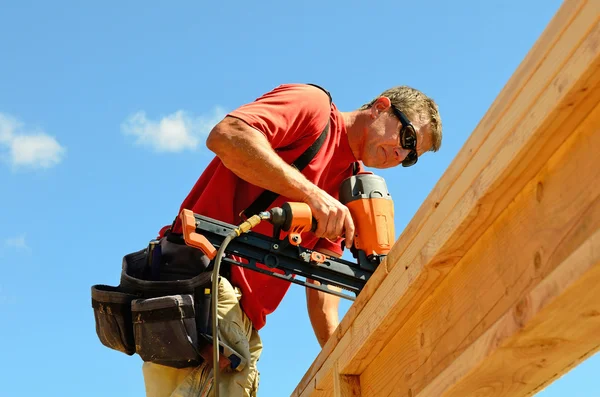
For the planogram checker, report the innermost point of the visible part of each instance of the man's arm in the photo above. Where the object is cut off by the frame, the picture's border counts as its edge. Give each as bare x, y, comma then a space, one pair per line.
248, 154
323, 308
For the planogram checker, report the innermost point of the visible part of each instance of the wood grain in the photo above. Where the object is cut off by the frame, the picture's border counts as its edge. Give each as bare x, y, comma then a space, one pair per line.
550, 218
429, 211
501, 169
549, 95
552, 329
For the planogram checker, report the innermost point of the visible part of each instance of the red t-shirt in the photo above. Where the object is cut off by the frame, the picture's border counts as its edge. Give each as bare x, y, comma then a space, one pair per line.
291, 116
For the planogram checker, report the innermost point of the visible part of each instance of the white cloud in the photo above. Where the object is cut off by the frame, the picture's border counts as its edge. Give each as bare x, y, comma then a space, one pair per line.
17, 242
173, 133
28, 148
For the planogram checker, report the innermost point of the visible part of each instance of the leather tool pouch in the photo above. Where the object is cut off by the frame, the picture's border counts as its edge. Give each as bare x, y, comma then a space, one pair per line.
156, 312
112, 313
164, 330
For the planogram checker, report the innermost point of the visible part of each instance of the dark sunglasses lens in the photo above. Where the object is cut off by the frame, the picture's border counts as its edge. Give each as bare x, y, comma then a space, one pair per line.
409, 138
410, 159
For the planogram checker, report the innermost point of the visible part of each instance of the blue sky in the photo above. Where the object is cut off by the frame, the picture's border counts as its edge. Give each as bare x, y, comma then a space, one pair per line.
104, 108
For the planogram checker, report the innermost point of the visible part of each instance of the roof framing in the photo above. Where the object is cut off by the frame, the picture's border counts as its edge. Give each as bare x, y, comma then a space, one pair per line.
492, 286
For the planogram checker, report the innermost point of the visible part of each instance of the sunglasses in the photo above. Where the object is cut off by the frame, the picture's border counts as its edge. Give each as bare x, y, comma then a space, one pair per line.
407, 138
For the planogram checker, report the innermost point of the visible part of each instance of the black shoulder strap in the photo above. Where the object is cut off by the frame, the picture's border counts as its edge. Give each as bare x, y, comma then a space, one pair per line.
267, 197
324, 90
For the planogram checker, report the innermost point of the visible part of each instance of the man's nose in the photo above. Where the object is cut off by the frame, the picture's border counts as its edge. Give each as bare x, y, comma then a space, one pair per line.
400, 154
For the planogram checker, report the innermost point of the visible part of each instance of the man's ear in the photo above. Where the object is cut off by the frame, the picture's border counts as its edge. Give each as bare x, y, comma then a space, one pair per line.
381, 105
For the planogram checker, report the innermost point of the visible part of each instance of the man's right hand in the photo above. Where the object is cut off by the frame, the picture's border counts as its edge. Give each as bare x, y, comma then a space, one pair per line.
333, 218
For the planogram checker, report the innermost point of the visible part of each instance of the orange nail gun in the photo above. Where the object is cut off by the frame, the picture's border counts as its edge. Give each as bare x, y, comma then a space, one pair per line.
371, 208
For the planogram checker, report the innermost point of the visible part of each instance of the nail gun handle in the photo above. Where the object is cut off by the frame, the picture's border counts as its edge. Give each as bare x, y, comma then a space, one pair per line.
193, 239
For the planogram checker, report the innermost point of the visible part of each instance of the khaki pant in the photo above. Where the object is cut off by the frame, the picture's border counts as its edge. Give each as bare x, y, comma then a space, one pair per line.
236, 330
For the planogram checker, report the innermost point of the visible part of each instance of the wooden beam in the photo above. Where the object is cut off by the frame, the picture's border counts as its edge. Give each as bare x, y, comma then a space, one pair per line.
549, 331
522, 263
548, 97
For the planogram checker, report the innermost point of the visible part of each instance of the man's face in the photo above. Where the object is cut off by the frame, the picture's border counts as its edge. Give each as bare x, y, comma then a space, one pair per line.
382, 144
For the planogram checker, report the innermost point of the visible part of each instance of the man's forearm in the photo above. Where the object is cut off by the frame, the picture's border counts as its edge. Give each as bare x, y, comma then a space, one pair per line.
248, 154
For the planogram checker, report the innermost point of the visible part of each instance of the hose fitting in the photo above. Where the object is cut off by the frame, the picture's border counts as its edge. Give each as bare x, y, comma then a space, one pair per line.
252, 222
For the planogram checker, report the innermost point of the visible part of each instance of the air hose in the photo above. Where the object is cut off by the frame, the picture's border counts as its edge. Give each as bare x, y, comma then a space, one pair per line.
242, 228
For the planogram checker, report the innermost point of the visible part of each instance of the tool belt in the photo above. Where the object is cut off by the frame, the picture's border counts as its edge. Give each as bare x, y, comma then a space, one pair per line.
161, 307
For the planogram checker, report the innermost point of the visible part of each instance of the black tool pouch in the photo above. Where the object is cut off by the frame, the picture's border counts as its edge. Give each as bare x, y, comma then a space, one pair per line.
112, 313
160, 319
164, 330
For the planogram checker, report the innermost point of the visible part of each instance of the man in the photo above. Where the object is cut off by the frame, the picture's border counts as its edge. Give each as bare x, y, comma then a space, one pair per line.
254, 146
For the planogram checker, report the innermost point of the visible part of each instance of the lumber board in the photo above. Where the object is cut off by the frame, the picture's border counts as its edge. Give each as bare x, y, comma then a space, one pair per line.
430, 212
519, 253
496, 172
547, 97
552, 329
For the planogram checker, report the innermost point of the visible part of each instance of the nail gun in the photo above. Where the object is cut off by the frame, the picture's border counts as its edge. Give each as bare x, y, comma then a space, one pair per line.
372, 211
